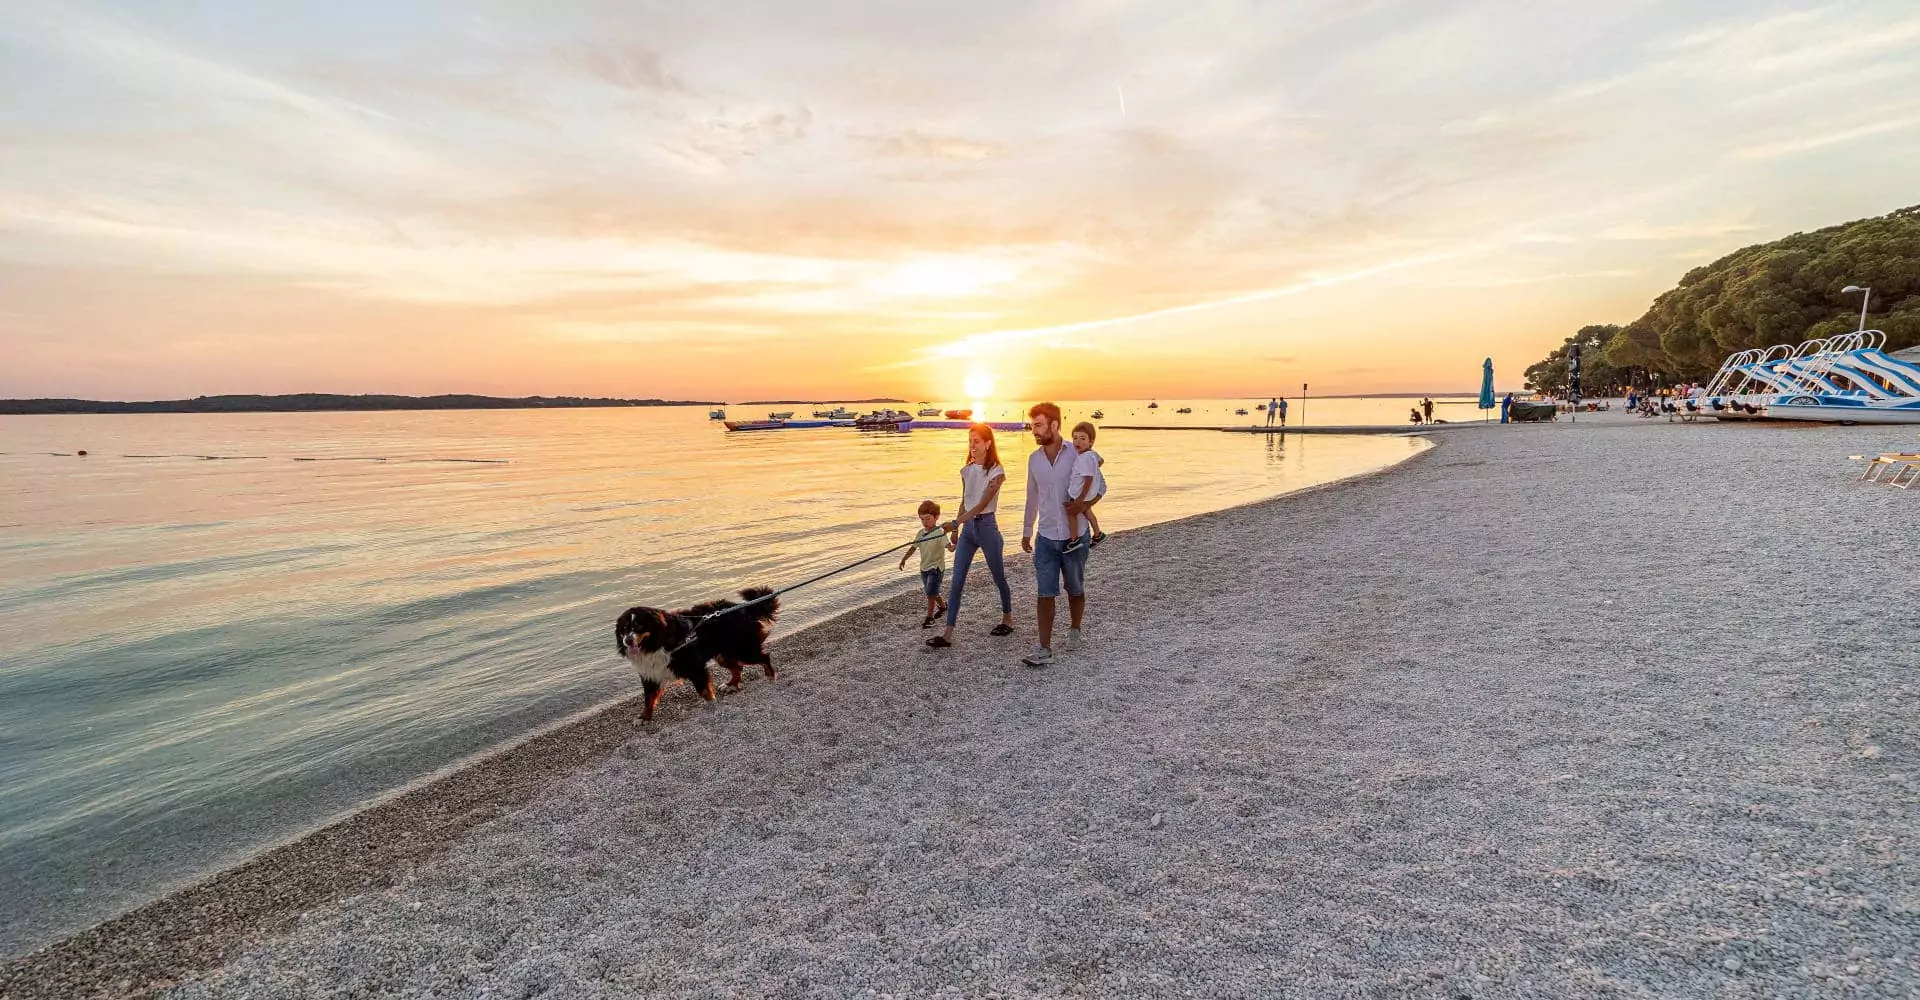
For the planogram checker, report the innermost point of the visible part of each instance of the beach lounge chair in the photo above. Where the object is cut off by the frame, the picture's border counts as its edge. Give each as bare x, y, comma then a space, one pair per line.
1895, 468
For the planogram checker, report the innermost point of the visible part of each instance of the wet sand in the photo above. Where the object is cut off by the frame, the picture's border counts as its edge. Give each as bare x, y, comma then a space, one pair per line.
1621, 708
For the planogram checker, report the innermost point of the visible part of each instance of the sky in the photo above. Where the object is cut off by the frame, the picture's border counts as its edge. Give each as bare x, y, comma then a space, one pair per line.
830, 199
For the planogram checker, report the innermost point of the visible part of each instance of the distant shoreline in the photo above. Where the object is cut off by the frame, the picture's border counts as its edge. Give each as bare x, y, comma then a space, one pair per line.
319, 402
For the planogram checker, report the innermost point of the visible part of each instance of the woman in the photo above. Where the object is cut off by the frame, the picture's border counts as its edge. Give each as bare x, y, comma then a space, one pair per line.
980, 482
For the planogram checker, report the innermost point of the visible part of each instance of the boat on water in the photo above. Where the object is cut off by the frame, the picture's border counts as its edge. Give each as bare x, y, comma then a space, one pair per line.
1099, 414
1845, 379
839, 413
1261, 406
1153, 405
1184, 409
1241, 412
716, 414
959, 414
781, 415
929, 411
884, 420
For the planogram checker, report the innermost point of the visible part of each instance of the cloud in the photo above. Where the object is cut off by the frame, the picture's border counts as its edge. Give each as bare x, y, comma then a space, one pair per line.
1802, 144
626, 67
919, 145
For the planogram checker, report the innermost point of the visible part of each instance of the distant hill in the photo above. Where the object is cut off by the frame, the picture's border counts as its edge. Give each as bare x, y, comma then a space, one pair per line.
324, 402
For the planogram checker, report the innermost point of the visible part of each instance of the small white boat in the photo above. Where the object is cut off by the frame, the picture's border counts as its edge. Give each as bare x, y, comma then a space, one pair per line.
1184, 409
841, 413
716, 414
1099, 414
1153, 405
930, 411
781, 415
1241, 412
1844, 379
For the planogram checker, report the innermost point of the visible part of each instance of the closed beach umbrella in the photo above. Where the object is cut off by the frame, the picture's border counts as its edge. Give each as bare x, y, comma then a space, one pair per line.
1486, 385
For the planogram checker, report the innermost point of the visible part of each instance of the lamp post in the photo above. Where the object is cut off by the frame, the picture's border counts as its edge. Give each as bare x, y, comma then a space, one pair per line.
1866, 295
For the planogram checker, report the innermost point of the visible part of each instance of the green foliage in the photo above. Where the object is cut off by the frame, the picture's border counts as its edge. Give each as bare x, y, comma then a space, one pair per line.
1599, 374
1782, 293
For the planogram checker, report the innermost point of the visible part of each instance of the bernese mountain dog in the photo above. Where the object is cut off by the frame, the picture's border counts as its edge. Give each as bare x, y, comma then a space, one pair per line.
656, 643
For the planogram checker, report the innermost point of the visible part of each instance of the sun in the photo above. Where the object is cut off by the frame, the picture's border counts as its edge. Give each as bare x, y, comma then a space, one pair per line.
979, 385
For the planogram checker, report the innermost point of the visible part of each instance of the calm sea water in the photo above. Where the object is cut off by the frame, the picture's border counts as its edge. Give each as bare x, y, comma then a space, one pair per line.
219, 631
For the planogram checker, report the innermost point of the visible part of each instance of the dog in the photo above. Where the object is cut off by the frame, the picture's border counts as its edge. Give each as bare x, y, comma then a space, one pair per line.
656, 643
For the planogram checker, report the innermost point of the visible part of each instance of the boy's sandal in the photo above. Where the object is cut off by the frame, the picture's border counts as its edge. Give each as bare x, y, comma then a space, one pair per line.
928, 623
939, 642
1097, 539
1001, 629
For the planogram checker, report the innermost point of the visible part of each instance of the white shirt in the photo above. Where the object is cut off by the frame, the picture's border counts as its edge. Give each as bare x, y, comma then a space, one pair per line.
1047, 492
1086, 468
973, 485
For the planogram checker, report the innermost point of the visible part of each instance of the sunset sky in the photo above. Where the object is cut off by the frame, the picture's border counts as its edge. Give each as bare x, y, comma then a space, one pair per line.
832, 199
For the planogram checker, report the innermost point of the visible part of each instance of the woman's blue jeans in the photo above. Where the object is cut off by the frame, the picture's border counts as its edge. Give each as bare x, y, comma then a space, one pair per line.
982, 534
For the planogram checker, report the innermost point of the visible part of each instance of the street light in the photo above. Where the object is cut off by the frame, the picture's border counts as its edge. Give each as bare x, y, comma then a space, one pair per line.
1865, 297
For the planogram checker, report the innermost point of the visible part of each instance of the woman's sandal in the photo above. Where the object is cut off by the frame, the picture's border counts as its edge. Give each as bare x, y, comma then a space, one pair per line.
939, 642
1002, 629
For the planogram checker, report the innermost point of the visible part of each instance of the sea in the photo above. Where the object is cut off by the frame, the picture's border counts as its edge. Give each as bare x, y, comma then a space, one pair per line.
219, 632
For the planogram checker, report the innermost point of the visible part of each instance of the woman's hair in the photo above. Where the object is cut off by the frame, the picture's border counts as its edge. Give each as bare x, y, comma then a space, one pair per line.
984, 433
1086, 427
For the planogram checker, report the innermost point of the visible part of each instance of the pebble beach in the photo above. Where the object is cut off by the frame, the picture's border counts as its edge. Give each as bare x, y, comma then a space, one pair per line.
1621, 708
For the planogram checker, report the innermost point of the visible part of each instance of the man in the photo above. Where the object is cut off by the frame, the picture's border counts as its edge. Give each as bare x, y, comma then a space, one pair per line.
1282, 404
1426, 409
1506, 407
1273, 410
1049, 469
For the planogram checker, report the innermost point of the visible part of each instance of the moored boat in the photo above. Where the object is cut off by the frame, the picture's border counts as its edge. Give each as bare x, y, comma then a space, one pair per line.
1099, 414
781, 415
716, 414
884, 420
1153, 405
929, 411
1845, 379
1241, 412
1184, 409
959, 414
755, 425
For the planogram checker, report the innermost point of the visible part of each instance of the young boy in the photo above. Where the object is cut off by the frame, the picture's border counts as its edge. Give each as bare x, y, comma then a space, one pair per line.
931, 543
1087, 484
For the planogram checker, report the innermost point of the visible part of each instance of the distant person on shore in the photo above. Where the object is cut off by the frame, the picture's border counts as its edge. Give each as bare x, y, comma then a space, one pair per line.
978, 531
1506, 407
1273, 410
931, 543
1049, 470
1086, 487
1414, 416
1426, 409
1281, 403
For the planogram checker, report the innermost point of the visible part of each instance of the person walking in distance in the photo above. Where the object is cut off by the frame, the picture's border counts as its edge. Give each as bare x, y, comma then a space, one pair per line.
1049, 471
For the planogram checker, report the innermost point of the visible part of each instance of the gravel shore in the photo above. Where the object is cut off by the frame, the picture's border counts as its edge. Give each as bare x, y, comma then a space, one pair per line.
1622, 708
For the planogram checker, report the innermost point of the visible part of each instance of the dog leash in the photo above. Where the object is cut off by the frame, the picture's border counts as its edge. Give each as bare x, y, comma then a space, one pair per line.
694, 632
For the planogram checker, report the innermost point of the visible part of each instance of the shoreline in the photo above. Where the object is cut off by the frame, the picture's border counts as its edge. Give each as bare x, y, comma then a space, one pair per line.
366, 848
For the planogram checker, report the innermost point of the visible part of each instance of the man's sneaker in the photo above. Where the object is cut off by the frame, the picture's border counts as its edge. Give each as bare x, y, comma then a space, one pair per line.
1040, 657
1074, 640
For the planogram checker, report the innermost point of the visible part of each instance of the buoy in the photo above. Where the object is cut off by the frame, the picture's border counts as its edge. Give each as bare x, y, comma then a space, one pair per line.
83, 453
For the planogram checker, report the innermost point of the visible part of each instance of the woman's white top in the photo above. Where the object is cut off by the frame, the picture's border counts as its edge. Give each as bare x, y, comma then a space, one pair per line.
973, 486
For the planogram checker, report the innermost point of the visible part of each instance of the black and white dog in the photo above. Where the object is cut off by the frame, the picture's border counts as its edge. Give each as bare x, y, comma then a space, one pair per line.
655, 642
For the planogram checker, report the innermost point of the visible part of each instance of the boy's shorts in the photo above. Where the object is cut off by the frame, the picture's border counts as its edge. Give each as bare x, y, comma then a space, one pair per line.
930, 582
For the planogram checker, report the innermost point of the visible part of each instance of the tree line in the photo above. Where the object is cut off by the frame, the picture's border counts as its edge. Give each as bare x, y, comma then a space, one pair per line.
1770, 293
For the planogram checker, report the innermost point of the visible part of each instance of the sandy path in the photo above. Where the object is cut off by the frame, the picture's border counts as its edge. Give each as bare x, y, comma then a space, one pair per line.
1543, 713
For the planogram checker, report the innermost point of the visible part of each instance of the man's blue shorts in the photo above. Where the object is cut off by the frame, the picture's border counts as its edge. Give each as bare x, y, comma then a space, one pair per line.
1051, 568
